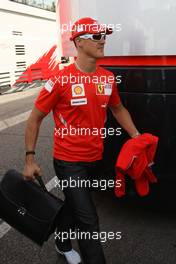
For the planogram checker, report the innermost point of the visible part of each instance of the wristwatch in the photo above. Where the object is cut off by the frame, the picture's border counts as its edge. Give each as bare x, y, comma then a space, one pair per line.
30, 152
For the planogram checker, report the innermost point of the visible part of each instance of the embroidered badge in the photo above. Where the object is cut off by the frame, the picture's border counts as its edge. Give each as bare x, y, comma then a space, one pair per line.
81, 101
100, 89
108, 89
49, 85
78, 90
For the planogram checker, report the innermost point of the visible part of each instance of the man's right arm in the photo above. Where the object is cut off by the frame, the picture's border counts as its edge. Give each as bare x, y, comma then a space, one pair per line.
31, 136
45, 102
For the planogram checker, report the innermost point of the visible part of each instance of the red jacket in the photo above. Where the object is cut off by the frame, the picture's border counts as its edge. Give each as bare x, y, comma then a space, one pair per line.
135, 160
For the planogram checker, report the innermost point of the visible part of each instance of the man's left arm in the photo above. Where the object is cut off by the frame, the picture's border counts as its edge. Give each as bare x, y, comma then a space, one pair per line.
123, 117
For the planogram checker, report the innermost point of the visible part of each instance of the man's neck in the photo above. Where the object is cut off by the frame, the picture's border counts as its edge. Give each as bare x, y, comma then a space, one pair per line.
87, 65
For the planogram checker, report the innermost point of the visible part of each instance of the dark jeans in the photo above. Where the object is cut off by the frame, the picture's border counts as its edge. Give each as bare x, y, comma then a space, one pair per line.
79, 210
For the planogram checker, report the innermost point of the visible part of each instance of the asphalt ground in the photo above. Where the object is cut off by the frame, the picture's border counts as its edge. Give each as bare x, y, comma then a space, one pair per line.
148, 236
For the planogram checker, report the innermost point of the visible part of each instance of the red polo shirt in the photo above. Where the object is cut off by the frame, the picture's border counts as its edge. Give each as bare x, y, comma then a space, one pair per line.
79, 103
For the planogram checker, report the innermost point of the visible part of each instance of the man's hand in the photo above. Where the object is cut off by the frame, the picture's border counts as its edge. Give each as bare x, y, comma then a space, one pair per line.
30, 169
135, 135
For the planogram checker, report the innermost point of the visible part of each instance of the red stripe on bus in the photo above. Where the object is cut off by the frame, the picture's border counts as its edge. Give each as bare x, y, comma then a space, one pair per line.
138, 61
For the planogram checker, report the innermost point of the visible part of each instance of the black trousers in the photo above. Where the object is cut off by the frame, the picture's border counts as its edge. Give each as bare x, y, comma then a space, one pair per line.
79, 210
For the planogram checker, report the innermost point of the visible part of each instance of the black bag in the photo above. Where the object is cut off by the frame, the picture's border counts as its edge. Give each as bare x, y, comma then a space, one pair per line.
28, 207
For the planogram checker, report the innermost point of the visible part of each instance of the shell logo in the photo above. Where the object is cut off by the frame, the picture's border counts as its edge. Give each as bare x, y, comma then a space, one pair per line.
78, 90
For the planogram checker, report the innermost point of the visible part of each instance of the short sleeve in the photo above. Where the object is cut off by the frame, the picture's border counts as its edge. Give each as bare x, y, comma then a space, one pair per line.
48, 96
114, 98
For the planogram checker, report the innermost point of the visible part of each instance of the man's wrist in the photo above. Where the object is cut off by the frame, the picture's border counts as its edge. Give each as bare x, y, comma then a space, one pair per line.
30, 156
136, 134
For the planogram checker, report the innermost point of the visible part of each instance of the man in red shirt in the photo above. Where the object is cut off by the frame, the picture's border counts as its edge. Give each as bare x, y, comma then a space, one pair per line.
78, 96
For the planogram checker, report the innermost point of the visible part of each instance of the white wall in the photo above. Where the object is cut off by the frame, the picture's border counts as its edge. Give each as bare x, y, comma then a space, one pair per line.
39, 34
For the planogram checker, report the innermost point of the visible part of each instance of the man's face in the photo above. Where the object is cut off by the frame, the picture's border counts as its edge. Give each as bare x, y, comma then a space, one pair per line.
94, 49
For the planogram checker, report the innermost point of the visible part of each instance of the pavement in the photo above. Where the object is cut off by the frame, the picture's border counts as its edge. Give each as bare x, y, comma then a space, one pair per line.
148, 236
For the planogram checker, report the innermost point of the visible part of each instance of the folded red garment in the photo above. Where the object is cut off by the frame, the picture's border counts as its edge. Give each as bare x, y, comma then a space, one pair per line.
135, 160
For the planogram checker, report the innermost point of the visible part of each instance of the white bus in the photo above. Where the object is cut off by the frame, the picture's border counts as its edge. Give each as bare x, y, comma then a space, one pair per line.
142, 53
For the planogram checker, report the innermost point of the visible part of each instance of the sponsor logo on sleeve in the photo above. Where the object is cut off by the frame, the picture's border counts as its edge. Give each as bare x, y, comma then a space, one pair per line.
49, 85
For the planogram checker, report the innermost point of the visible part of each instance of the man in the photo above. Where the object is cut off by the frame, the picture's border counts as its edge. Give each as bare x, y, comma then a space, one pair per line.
78, 105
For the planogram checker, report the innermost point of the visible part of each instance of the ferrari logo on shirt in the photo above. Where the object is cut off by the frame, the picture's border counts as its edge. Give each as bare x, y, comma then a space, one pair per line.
100, 89
78, 90
103, 89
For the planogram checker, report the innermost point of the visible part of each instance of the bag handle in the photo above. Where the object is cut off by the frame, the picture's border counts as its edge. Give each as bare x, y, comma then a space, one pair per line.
41, 182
